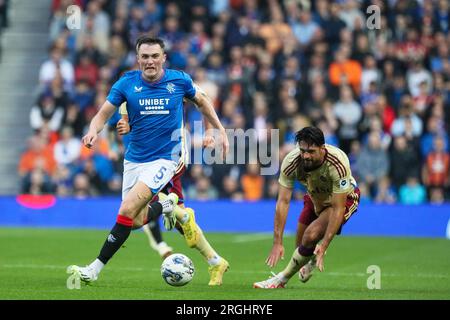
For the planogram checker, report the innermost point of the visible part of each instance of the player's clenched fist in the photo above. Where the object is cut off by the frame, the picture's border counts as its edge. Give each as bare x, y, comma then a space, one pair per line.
123, 127
89, 139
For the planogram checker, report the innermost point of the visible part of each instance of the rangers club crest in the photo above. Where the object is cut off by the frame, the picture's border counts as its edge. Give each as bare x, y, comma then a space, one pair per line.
170, 87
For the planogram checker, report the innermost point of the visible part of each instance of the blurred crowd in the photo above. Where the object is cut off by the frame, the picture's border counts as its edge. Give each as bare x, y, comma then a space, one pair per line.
381, 94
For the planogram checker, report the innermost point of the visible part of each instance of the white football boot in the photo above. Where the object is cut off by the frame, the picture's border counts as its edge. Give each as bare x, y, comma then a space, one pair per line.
275, 282
306, 272
86, 274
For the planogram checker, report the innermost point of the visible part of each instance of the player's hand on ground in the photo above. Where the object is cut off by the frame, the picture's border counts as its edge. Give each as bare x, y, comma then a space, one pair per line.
89, 139
320, 254
123, 127
275, 255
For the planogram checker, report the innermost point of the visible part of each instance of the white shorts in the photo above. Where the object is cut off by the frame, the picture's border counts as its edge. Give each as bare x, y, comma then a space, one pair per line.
155, 174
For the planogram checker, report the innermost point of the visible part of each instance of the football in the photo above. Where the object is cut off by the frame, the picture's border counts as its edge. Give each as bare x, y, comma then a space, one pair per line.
177, 270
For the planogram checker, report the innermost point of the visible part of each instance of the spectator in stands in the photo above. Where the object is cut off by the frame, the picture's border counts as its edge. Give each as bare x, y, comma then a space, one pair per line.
95, 22
37, 156
348, 113
74, 119
37, 182
373, 162
436, 169
385, 112
405, 161
304, 28
62, 180
86, 70
412, 192
82, 188
46, 112
57, 64
231, 188
417, 75
370, 74
202, 190
253, 183
434, 130
67, 149
385, 192
437, 196
58, 92
344, 71
407, 119
331, 23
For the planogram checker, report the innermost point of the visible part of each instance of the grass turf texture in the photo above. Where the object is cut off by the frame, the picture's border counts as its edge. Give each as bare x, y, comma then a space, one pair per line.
33, 264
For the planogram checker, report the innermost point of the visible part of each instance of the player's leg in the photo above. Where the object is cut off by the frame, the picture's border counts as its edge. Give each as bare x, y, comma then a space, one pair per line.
217, 264
306, 271
351, 206
153, 232
304, 253
148, 218
301, 227
307, 217
134, 201
140, 183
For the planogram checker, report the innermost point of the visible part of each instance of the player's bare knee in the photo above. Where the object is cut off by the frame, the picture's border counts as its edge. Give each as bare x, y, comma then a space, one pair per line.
127, 209
140, 219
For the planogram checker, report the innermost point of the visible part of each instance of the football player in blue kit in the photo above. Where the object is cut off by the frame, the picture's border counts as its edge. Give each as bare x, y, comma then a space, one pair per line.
154, 97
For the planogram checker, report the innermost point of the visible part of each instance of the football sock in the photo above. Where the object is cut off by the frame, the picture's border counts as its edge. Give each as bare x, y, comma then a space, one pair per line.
214, 261
154, 211
116, 238
155, 230
207, 251
181, 214
300, 257
97, 265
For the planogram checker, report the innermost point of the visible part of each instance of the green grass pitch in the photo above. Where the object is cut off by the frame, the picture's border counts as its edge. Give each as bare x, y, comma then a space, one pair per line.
33, 264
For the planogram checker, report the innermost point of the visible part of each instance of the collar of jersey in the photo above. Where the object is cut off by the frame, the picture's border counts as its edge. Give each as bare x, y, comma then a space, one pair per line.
156, 82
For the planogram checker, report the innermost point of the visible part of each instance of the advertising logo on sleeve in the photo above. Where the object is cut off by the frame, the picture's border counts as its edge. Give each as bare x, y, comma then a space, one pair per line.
344, 183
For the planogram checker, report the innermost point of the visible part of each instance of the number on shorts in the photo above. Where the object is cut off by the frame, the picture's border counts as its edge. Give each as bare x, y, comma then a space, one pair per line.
160, 174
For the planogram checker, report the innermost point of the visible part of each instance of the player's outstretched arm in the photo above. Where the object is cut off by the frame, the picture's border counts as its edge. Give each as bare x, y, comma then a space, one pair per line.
281, 212
98, 122
338, 201
205, 105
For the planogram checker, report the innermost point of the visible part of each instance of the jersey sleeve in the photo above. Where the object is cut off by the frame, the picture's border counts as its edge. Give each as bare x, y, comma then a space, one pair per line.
341, 176
189, 87
287, 175
116, 95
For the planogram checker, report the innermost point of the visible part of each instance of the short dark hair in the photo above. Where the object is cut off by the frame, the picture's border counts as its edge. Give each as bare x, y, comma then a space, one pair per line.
149, 40
310, 135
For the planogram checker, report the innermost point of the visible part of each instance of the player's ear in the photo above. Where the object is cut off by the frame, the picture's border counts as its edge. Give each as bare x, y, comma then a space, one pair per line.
164, 57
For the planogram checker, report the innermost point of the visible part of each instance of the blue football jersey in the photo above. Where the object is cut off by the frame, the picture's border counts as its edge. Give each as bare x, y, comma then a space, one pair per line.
155, 112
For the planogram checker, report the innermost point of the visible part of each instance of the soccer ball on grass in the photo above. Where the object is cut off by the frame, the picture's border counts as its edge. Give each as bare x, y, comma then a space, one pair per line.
177, 270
